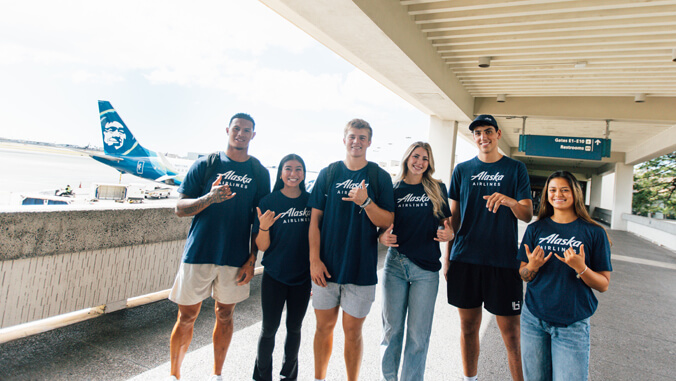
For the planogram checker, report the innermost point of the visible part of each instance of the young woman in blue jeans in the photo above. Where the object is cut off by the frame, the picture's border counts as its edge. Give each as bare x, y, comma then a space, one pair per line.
411, 274
559, 298
282, 233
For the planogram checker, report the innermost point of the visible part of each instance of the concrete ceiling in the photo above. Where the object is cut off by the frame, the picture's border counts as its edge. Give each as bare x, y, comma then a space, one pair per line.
568, 66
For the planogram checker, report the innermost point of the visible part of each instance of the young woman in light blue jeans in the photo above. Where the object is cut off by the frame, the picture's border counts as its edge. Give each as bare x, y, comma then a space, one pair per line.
559, 298
411, 274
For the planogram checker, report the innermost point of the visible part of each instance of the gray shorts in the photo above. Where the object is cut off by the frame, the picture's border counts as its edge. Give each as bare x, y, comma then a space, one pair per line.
355, 300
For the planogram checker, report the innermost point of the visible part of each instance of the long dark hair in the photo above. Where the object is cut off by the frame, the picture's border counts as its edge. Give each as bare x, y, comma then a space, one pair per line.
547, 210
279, 184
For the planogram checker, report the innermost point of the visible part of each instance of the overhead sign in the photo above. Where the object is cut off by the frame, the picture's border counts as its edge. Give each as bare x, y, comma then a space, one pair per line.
565, 147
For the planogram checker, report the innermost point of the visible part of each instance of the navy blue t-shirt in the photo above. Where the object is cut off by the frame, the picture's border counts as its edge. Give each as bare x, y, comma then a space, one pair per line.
484, 237
349, 240
287, 259
221, 233
556, 295
415, 224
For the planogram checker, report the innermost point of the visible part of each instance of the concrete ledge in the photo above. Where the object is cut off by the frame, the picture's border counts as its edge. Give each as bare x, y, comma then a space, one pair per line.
57, 262
665, 226
658, 231
42, 233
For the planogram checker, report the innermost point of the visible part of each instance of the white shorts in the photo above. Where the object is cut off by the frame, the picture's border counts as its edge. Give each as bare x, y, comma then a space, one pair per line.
196, 282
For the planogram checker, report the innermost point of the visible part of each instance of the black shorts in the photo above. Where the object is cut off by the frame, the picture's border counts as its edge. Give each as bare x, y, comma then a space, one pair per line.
499, 289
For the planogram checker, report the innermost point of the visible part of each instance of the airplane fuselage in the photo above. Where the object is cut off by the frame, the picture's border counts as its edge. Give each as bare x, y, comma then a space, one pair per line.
146, 167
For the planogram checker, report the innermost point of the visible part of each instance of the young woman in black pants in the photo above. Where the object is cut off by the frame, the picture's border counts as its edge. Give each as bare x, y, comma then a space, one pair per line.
282, 233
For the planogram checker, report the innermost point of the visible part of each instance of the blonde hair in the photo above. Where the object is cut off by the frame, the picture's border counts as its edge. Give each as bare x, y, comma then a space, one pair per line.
547, 210
431, 185
359, 124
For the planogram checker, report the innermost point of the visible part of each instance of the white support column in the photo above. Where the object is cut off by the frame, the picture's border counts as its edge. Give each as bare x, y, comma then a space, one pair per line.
595, 192
624, 185
442, 137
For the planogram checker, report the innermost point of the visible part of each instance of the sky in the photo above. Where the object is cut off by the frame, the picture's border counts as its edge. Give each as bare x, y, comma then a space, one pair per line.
176, 71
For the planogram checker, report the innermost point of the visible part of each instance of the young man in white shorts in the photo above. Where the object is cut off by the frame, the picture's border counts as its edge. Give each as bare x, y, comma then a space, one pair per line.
349, 201
221, 191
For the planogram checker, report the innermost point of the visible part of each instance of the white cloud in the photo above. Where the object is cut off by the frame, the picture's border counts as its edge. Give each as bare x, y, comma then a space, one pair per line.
13, 54
100, 78
125, 48
210, 44
131, 35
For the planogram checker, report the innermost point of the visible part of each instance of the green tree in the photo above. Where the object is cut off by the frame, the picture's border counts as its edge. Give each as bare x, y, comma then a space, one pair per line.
655, 186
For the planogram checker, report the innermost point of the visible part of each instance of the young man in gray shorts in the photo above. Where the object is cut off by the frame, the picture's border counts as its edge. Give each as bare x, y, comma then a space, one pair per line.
350, 200
221, 191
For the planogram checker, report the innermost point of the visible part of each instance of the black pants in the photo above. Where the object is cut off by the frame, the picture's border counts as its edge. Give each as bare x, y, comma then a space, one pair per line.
274, 295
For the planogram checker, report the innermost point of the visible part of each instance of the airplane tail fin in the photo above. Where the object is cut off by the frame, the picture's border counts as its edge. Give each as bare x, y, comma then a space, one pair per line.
117, 138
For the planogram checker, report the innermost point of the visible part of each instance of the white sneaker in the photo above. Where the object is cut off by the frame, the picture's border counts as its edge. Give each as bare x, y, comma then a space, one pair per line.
171, 378
216, 378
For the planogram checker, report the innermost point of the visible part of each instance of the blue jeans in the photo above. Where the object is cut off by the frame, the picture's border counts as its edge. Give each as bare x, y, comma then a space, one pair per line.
551, 352
406, 288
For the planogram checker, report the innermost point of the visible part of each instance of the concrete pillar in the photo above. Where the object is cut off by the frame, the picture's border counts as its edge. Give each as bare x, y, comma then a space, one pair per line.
596, 185
624, 185
442, 137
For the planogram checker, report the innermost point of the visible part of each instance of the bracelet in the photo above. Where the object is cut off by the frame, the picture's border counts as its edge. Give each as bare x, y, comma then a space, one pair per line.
263, 230
585, 269
366, 203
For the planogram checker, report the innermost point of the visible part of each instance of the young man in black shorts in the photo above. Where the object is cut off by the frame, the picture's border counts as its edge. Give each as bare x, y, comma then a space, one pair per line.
488, 194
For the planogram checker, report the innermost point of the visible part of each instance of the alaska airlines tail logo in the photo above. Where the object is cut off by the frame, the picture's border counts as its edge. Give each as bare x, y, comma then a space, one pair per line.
117, 139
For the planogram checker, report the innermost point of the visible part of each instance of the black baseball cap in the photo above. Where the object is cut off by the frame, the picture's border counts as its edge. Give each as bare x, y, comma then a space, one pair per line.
484, 120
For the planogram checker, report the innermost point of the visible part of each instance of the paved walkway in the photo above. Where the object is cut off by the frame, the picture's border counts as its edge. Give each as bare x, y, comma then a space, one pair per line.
633, 335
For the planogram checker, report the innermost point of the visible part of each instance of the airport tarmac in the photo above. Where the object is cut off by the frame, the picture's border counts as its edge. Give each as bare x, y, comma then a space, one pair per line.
633, 335
28, 169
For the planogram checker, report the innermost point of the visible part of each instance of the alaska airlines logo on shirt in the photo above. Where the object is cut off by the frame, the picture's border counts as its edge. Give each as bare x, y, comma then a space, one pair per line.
234, 181
346, 186
411, 201
484, 176
484, 179
552, 242
292, 215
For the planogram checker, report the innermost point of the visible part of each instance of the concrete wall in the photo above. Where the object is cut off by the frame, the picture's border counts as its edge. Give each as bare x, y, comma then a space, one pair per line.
660, 232
53, 263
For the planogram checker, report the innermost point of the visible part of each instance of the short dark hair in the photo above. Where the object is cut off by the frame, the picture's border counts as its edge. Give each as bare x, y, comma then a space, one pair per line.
358, 124
245, 116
